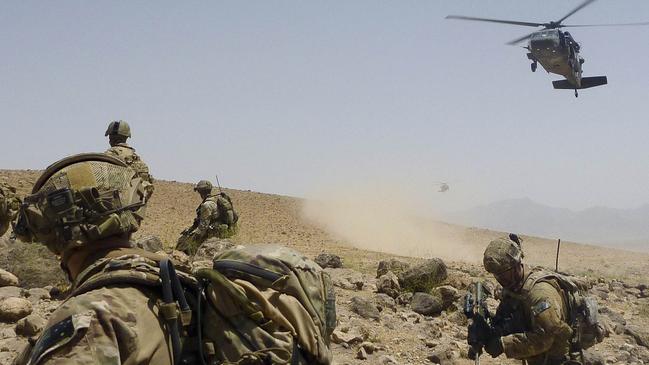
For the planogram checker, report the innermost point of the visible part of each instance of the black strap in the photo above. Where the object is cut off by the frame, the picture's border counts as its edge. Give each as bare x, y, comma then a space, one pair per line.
172, 292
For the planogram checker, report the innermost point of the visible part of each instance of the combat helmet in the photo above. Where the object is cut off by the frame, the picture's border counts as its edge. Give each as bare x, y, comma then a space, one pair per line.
118, 128
82, 199
203, 186
502, 254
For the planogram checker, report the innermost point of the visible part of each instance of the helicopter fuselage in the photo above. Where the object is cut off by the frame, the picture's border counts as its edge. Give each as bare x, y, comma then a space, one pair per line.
557, 52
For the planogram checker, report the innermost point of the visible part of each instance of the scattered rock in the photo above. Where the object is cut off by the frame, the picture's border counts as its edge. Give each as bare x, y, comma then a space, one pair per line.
12, 345
387, 360
448, 294
384, 301
351, 337
361, 354
150, 243
364, 308
592, 357
10, 292
424, 277
388, 284
639, 334
369, 347
30, 325
426, 304
34, 295
346, 278
394, 265
13, 309
7, 278
330, 260
404, 298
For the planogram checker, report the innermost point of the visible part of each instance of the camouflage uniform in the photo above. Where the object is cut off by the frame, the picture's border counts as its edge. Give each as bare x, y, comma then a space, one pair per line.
215, 217
113, 324
539, 313
9, 205
532, 319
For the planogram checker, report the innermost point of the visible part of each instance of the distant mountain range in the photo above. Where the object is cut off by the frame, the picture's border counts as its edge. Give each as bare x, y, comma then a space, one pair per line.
622, 228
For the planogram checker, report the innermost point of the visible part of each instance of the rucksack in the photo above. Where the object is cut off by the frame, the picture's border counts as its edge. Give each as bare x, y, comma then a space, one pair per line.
582, 308
261, 304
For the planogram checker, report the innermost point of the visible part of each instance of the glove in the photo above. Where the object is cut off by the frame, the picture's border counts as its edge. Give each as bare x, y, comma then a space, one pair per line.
494, 347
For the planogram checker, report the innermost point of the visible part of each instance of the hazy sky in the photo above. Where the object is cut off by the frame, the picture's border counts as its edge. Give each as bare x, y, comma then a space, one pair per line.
288, 97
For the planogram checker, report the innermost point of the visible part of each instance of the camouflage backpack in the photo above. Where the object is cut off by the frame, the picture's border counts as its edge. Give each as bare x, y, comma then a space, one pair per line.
262, 304
225, 209
582, 308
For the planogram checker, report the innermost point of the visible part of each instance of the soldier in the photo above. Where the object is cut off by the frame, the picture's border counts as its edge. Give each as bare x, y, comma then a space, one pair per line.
85, 208
532, 318
9, 205
118, 132
215, 217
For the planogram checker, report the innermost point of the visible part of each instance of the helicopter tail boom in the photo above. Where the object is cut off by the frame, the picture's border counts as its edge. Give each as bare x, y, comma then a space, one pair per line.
586, 82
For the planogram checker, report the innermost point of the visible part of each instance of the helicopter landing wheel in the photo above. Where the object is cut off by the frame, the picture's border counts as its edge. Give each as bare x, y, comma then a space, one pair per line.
533, 66
576, 94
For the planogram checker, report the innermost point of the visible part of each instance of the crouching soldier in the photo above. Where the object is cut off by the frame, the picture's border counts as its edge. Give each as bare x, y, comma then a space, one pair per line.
544, 318
215, 217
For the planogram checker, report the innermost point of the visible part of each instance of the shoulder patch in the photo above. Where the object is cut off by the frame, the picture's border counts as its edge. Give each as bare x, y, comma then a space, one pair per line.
58, 335
540, 307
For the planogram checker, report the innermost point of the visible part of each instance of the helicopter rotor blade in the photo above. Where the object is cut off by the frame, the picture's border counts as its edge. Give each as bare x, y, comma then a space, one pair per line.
604, 25
583, 5
513, 22
519, 40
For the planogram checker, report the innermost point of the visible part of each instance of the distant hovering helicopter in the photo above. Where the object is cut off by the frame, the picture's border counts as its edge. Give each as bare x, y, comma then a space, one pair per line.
555, 50
443, 187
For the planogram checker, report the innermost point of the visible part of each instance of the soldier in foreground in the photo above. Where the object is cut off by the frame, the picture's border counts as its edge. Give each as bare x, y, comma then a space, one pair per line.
9, 205
118, 132
215, 217
85, 208
537, 319
128, 306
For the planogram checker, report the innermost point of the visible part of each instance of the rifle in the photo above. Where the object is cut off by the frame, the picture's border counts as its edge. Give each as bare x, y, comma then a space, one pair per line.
479, 331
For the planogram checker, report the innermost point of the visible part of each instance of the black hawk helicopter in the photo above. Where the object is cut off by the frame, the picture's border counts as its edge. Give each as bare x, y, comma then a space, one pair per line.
556, 50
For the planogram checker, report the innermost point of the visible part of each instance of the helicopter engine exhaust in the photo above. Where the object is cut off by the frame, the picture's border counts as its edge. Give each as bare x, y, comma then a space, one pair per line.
586, 82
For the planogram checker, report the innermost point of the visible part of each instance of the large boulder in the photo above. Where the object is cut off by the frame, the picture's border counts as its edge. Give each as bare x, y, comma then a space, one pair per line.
7, 278
424, 277
394, 265
150, 243
426, 304
13, 309
326, 260
388, 284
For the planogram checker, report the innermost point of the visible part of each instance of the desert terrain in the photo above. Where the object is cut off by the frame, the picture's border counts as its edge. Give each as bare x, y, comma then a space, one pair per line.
395, 334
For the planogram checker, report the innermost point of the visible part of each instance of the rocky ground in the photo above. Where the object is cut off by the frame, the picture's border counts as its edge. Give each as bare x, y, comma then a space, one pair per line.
389, 319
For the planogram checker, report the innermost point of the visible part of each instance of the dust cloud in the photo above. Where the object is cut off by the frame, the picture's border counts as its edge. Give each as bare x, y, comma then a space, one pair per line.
391, 219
